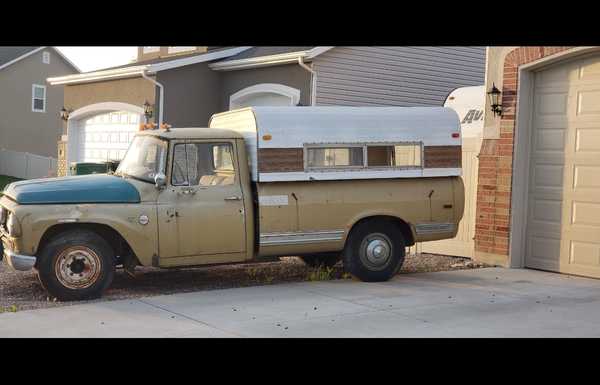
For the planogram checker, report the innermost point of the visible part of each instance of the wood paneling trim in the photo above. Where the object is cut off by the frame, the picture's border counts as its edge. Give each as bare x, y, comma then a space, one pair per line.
442, 156
280, 159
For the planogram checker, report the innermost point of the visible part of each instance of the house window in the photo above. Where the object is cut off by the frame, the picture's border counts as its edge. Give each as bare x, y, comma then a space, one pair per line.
38, 98
151, 49
334, 157
405, 155
180, 49
46, 57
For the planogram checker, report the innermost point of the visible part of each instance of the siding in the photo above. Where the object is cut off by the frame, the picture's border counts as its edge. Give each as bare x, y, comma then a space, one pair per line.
396, 76
21, 129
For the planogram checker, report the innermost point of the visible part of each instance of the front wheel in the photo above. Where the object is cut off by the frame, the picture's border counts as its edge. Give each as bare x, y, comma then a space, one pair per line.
76, 265
374, 252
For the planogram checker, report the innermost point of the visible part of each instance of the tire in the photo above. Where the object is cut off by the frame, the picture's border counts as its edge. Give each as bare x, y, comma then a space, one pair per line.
76, 265
374, 251
324, 260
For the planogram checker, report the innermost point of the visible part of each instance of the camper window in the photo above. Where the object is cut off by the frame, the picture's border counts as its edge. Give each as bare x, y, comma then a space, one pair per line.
403, 155
334, 157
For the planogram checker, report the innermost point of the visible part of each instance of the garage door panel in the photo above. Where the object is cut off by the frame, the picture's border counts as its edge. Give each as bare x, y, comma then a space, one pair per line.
563, 228
106, 136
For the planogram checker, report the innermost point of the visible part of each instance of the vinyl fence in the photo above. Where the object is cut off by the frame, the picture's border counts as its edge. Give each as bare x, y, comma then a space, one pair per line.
24, 165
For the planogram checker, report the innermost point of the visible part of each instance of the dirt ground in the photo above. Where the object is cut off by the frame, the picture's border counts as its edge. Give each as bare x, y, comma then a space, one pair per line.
22, 291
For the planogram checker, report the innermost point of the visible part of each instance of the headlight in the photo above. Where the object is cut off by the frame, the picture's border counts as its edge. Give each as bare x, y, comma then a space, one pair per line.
13, 226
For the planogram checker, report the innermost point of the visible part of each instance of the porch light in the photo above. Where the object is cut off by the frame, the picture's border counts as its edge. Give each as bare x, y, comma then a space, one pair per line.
64, 114
494, 95
148, 109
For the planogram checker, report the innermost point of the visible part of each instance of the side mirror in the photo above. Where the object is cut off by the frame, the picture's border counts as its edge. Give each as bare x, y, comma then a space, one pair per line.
160, 180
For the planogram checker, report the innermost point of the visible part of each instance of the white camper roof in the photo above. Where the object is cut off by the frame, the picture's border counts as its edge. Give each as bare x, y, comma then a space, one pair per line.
297, 127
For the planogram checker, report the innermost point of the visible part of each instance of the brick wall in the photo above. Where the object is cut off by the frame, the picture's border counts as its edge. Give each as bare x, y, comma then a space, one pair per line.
492, 225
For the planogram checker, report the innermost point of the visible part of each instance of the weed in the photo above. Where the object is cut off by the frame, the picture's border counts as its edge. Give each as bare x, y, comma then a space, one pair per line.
320, 273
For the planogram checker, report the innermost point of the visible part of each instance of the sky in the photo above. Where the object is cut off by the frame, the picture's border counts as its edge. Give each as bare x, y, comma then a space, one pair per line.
93, 58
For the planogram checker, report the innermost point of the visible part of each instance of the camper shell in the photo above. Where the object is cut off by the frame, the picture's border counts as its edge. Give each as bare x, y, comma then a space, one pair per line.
282, 142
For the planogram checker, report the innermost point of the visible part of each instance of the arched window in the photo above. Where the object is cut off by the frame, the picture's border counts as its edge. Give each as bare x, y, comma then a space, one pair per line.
265, 94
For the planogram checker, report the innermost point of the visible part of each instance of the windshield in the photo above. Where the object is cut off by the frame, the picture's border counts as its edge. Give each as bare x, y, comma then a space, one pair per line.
144, 159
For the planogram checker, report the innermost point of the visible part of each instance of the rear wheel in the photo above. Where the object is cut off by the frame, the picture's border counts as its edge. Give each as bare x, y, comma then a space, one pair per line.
318, 260
375, 251
76, 265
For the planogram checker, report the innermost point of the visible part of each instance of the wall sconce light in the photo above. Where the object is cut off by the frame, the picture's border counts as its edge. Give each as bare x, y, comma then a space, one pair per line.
64, 114
148, 109
494, 95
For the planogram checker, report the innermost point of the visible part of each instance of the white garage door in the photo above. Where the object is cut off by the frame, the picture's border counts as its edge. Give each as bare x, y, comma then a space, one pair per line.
563, 229
106, 136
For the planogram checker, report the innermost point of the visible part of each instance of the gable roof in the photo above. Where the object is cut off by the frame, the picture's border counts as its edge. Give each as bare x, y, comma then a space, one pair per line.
148, 66
11, 55
267, 51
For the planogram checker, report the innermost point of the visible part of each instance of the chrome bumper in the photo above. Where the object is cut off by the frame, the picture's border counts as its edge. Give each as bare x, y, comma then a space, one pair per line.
19, 262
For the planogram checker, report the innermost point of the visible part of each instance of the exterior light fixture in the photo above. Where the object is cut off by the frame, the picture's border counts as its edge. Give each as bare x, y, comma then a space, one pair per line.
148, 109
64, 114
494, 95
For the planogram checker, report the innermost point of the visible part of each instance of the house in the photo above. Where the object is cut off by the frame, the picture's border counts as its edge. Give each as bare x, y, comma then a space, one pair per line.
538, 200
107, 106
30, 120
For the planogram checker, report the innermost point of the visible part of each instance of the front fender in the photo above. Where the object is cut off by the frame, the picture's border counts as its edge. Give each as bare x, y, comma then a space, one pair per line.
123, 218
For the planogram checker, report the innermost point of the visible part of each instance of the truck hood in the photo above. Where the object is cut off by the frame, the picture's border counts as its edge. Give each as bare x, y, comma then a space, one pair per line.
97, 188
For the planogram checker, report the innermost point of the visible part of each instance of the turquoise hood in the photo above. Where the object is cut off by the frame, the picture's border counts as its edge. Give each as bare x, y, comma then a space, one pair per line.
96, 188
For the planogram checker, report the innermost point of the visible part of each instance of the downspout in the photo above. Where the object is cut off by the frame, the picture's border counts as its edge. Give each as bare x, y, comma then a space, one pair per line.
313, 86
161, 98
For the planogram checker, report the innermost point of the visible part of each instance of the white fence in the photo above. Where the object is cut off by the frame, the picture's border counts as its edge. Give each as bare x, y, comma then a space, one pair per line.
24, 165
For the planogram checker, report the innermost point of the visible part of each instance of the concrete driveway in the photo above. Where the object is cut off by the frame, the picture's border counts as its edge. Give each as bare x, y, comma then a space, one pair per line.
489, 302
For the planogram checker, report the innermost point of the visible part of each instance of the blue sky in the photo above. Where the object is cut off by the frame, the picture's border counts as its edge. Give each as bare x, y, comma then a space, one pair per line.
93, 58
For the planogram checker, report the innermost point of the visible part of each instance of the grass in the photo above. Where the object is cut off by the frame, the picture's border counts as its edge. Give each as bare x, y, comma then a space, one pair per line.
4, 180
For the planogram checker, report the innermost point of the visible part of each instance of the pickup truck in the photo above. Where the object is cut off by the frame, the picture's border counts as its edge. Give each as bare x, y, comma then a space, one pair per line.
323, 183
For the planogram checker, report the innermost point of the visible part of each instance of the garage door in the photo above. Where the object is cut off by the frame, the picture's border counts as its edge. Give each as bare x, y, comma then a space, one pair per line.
563, 229
106, 136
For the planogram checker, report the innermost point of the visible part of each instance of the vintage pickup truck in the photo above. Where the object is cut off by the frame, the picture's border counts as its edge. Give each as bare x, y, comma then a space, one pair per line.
358, 184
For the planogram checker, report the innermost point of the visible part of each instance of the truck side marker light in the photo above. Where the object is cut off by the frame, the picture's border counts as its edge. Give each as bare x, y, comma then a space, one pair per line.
267, 137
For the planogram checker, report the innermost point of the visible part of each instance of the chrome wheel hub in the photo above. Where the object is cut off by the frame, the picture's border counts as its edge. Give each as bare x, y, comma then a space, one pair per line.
78, 267
376, 251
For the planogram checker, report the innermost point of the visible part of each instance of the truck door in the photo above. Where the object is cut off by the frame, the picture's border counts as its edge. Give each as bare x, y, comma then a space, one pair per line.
201, 211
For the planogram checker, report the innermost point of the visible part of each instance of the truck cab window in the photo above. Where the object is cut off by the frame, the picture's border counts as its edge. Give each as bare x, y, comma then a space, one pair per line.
203, 164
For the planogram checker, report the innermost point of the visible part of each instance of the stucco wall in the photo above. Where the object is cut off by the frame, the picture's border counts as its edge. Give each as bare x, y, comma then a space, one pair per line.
291, 75
21, 129
133, 91
191, 95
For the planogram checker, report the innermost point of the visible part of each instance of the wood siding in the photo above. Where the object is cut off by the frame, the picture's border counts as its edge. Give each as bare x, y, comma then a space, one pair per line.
442, 156
280, 159
396, 76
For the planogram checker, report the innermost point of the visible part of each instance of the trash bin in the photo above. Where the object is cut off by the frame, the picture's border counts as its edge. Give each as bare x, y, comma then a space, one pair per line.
88, 168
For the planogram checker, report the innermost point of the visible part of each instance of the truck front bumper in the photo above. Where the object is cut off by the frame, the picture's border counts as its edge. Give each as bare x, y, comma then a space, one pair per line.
14, 260
18, 261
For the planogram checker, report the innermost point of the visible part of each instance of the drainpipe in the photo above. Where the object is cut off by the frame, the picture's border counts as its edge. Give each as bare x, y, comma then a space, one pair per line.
161, 98
313, 86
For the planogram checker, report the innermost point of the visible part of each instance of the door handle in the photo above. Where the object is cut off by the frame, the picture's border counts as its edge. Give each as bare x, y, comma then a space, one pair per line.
233, 198
188, 191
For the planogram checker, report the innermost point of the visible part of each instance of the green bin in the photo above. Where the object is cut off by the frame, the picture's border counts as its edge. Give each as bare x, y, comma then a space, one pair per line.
88, 168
